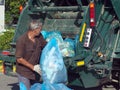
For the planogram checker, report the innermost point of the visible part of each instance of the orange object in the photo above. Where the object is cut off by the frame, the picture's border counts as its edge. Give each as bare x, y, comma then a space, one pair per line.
92, 14
20, 8
92, 5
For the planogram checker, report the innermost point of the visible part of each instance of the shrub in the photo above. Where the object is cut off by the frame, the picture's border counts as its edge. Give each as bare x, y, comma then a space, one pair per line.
6, 39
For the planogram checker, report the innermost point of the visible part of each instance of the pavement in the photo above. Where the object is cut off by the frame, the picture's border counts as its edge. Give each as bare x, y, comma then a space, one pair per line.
10, 82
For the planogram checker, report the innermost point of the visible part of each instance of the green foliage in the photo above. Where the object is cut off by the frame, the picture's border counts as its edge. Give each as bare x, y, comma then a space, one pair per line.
6, 39
12, 9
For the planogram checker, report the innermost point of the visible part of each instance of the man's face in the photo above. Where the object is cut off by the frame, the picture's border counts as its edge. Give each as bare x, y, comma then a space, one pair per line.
37, 31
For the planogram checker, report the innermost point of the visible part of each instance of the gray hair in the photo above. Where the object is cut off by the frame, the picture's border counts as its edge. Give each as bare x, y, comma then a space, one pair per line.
34, 24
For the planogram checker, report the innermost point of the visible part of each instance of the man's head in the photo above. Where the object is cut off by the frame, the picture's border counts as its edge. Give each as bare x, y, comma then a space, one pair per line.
35, 27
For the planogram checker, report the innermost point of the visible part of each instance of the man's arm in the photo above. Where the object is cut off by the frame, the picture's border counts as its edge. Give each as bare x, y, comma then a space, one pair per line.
25, 63
35, 68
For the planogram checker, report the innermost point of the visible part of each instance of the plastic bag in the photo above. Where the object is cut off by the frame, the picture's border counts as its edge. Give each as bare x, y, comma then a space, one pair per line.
36, 86
52, 34
52, 64
44, 34
22, 86
48, 86
67, 48
59, 86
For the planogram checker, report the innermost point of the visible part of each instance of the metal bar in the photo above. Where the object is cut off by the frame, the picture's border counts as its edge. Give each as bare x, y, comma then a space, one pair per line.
65, 8
115, 45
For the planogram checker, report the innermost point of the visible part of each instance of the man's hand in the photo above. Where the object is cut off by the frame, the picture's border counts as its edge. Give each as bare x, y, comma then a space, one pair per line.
37, 69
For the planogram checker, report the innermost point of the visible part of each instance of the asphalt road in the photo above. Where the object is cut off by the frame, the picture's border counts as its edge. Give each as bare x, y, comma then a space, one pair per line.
8, 82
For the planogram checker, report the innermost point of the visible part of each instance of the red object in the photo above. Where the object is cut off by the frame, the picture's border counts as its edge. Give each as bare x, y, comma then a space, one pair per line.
20, 8
92, 14
5, 53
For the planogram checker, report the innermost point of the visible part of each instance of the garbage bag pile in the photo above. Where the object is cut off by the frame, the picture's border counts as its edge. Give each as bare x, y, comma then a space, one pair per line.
52, 64
54, 73
67, 46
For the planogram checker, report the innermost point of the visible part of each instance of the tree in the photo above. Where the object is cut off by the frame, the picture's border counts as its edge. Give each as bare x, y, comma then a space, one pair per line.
12, 10
6, 39
11, 14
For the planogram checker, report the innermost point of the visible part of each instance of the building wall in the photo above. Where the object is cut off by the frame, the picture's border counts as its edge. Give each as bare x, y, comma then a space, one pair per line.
2, 17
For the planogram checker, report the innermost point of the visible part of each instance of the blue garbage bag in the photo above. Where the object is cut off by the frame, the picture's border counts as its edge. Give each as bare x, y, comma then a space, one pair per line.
48, 35
59, 86
52, 64
22, 86
48, 86
44, 34
54, 73
36, 86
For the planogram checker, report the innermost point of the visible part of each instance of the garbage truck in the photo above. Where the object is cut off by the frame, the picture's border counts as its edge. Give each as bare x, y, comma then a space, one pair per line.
96, 23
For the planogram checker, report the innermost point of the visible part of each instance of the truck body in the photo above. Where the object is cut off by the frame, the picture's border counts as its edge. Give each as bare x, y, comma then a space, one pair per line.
95, 22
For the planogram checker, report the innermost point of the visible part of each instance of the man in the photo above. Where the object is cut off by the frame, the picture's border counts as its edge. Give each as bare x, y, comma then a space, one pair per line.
28, 50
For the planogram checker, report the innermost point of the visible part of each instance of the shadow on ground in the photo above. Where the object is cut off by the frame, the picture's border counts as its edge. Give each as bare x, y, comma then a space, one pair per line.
14, 86
81, 88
